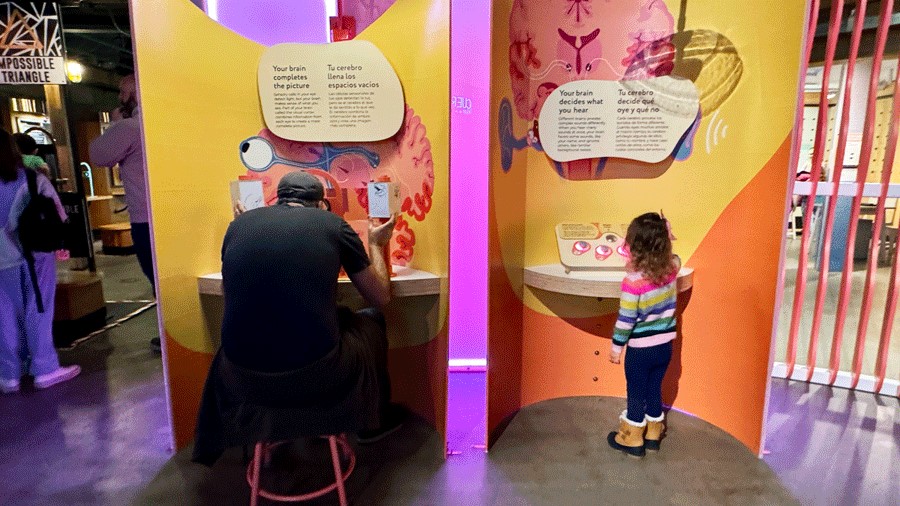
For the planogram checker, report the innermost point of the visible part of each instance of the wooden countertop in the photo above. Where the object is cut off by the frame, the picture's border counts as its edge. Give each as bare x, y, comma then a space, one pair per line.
603, 284
407, 282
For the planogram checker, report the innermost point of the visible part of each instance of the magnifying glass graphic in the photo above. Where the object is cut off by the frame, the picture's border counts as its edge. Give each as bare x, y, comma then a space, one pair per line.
258, 155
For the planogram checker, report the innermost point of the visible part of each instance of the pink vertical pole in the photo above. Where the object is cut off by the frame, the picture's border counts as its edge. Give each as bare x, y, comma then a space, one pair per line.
797, 135
818, 156
890, 310
864, 161
825, 259
890, 149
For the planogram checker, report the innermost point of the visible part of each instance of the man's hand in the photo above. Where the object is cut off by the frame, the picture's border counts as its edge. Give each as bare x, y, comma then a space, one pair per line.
615, 356
239, 209
380, 234
116, 115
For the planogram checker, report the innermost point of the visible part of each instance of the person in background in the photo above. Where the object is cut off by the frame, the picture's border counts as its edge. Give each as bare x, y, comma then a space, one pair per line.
21, 323
123, 145
647, 325
28, 148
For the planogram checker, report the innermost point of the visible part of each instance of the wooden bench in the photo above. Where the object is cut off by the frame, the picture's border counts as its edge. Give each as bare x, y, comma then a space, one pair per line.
80, 306
116, 239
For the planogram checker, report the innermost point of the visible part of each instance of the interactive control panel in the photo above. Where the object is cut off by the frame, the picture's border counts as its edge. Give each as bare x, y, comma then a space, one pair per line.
592, 246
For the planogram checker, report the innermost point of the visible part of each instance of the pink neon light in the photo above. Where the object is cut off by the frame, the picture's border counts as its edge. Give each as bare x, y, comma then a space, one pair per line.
797, 135
470, 33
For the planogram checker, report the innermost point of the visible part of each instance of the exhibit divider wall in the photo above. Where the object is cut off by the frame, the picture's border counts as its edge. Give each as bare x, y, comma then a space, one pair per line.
201, 105
693, 117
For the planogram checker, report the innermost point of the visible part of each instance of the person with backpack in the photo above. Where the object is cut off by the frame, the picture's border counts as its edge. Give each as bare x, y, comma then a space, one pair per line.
31, 231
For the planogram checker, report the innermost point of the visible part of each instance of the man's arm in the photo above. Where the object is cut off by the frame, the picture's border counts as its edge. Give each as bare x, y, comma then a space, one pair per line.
113, 146
374, 282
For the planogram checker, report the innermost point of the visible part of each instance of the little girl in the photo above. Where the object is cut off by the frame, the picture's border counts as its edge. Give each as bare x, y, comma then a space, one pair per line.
646, 324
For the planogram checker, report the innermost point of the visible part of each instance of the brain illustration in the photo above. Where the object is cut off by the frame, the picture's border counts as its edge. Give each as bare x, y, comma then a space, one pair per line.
405, 158
553, 42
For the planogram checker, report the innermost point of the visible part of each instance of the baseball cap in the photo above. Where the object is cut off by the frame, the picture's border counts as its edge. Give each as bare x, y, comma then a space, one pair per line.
300, 185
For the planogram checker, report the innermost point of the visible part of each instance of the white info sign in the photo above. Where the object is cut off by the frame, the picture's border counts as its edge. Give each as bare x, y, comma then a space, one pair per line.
340, 92
638, 120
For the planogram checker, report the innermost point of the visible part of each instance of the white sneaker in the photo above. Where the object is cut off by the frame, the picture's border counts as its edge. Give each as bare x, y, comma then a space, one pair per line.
56, 377
9, 386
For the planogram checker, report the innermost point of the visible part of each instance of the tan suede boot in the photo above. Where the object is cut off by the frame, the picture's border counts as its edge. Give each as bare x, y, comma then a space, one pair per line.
630, 437
656, 429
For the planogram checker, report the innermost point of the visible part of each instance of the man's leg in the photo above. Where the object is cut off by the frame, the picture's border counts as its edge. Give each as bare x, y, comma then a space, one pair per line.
384, 379
392, 417
140, 235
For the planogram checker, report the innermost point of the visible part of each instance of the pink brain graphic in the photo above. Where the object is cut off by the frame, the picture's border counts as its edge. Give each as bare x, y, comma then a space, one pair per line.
405, 158
553, 42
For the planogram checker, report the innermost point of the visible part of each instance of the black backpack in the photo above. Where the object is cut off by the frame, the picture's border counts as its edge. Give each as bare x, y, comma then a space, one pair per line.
41, 230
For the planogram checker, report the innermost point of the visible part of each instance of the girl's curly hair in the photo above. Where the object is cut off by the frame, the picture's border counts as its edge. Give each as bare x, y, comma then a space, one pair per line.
651, 248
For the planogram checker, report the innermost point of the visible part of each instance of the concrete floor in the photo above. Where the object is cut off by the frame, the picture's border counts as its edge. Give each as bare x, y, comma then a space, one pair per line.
103, 439
552, 453
873, 329
99, 438
835, 446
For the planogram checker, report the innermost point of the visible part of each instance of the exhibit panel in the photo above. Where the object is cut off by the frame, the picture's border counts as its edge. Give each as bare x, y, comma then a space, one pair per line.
208, 144
685, 109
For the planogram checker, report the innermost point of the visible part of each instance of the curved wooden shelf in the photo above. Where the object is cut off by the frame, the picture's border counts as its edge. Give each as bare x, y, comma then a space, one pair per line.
406, 283
603, 284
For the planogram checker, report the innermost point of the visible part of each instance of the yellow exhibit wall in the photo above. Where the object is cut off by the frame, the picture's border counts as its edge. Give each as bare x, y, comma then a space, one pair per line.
198, 88
724, 190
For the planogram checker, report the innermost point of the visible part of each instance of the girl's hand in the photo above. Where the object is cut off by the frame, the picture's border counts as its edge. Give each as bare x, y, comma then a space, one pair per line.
615, 356
62, 255
668, 226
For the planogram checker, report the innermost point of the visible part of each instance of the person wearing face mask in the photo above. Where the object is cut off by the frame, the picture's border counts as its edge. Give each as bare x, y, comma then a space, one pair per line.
122, 145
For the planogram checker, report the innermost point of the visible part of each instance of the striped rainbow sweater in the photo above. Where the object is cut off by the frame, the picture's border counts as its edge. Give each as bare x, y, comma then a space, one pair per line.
647, 312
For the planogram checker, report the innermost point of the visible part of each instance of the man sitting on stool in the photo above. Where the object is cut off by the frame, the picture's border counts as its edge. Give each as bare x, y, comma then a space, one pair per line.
293, 363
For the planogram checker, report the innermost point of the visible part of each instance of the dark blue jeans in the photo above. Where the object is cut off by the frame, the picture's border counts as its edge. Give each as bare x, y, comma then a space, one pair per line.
140, 236
644, 372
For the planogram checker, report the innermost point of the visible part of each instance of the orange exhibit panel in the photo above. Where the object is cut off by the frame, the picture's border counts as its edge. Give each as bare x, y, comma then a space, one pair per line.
198, 84
602, 111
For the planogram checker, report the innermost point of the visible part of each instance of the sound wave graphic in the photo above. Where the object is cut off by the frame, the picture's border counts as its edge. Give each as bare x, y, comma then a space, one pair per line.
716, 129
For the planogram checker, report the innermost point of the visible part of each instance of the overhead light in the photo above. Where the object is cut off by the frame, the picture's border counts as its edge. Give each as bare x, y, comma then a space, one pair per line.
75, 71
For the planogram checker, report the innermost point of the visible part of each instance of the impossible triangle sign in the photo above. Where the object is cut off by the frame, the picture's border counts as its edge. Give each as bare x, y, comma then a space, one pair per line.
31, 46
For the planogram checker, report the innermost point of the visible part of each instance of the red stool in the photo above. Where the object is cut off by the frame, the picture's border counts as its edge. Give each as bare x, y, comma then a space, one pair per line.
261, 453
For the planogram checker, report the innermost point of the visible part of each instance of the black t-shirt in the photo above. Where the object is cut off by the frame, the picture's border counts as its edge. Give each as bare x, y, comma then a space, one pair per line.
280, 268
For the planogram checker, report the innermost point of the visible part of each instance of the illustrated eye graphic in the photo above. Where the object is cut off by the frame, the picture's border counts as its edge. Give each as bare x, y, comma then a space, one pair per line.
611, 238
588, 67
580, 248
257, 154
568, 67
603, 252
